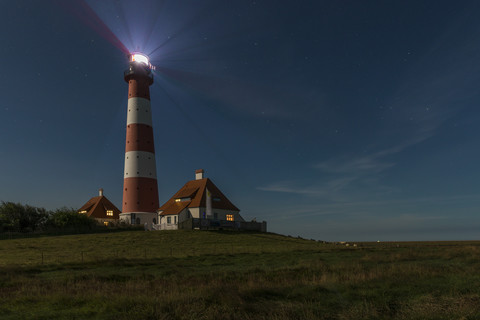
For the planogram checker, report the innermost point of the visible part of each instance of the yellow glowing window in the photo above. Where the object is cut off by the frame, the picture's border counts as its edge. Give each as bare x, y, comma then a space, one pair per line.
109, 212
83, 211
178, 200
105, 223
229, 217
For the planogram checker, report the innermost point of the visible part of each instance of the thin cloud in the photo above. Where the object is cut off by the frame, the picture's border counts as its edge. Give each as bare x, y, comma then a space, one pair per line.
342, 177
289, 187
369, 210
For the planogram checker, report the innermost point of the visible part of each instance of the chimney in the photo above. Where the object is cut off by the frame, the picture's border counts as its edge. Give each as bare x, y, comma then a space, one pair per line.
100, 192
199, 174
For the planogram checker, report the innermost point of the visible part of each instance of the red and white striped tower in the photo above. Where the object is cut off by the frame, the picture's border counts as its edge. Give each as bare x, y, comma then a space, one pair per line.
140, 188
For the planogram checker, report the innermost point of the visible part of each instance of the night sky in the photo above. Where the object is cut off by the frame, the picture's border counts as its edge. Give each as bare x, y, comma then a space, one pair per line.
331, 120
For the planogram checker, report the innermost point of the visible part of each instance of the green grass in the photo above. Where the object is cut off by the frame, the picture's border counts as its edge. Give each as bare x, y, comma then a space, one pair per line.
227, 275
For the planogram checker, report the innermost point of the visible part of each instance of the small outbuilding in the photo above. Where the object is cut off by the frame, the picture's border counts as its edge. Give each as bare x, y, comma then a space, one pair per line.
101, 209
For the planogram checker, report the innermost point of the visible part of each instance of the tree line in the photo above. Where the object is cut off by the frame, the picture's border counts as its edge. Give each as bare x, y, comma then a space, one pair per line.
16, 217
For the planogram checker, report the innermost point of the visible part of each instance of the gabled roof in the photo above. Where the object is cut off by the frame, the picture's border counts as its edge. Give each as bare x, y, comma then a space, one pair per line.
196, 191
173, 207
97, 207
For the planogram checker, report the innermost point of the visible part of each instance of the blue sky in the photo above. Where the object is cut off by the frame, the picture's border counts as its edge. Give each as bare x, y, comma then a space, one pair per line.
332, 120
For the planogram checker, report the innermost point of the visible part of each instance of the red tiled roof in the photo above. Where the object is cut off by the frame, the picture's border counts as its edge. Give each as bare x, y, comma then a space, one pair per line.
196, 190
186, 193
175, 207
97, 207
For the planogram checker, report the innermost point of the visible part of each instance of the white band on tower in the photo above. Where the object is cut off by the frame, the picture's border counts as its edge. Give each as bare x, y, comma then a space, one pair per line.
140, 164
139, 111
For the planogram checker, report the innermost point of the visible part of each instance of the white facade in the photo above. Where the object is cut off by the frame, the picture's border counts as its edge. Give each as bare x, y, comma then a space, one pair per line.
217, 214
139, 218
170, 222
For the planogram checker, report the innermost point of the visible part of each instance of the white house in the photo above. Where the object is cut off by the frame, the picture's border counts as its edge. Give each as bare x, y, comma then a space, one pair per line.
198, 199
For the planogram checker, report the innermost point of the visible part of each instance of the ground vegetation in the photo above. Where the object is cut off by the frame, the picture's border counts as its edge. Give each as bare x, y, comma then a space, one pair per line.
230, 275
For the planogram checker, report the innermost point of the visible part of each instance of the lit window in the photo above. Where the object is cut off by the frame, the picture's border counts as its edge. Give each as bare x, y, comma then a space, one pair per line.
109, 212
83, 211
105, 223
178, 200
229, 217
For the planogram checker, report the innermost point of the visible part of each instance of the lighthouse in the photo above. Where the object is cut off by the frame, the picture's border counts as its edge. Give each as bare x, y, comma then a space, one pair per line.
140, 188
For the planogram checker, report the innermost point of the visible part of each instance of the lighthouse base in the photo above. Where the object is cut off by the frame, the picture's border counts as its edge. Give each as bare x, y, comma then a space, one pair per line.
147, 219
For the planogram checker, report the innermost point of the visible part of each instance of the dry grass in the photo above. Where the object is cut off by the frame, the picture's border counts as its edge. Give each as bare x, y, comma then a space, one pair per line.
235, 276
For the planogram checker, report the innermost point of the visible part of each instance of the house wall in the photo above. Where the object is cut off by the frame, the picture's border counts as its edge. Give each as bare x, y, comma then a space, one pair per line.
139, 218
195, 212
183, 215
221, 214
173, 225
164, 225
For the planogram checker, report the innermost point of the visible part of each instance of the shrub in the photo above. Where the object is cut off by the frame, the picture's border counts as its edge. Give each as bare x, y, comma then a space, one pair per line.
21, 218
65, 218
15, 217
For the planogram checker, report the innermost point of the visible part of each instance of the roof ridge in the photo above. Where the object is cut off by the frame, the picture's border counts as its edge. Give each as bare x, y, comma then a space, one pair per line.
97, 202
198, 197
200, 193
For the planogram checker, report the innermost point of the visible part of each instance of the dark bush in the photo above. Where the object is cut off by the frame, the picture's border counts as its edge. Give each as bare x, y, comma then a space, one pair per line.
65, 218
21, 218
15, 217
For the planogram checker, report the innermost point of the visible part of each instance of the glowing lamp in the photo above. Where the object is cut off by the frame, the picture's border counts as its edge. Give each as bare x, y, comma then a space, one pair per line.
138, 57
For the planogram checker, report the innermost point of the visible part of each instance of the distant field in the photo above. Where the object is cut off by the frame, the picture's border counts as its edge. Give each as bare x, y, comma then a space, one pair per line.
227, 275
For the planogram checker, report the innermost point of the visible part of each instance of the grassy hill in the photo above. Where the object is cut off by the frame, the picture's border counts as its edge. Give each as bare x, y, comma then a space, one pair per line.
227, 275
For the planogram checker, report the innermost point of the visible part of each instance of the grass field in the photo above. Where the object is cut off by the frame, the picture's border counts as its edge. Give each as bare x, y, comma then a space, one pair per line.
227, 275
